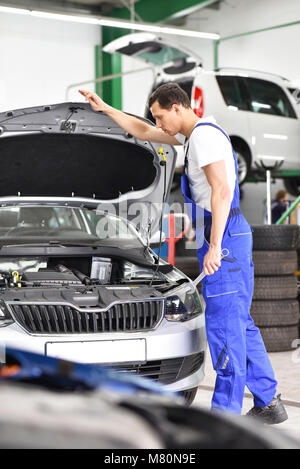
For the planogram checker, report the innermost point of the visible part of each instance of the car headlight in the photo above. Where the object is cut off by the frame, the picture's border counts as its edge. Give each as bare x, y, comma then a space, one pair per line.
5, 317
183, 307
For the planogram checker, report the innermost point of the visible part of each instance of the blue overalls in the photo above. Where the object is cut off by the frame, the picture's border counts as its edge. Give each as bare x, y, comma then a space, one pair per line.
238, 353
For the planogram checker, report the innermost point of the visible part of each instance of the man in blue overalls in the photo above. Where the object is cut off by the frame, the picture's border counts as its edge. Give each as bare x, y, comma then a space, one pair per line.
210, 188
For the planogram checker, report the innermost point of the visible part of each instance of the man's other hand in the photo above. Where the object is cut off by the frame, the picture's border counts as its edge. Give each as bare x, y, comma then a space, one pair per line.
212, 261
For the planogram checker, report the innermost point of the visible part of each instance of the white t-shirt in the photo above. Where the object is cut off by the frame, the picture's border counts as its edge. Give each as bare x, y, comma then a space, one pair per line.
207, 145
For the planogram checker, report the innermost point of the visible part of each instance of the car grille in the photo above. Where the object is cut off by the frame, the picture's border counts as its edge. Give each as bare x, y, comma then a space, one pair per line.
64, 319
165, 371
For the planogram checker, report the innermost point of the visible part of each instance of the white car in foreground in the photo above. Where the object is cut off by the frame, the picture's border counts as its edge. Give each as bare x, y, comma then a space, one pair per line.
78, 280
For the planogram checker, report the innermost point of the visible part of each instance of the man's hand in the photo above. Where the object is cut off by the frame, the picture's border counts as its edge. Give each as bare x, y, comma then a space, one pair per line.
212, 260
95, 101
131, 124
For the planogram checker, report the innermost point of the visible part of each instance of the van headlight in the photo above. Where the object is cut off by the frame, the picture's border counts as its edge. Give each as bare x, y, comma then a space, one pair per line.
183, 307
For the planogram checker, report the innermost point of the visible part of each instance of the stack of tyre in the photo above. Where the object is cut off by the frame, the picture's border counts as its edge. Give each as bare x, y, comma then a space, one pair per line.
275, 306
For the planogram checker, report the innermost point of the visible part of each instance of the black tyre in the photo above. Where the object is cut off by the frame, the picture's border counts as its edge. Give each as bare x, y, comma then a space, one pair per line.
275, 262
292, 185
275, 313
275, 288
189, 395
280, 339
276, 237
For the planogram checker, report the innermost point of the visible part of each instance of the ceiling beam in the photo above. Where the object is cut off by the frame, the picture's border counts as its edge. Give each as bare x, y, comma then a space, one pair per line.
153, 11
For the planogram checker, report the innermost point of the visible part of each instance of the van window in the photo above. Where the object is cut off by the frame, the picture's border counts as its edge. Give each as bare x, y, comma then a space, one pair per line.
152, 51
232, 91
268, 98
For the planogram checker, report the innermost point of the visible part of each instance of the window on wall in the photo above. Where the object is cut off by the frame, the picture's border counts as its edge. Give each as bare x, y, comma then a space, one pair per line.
232, 91
268, 98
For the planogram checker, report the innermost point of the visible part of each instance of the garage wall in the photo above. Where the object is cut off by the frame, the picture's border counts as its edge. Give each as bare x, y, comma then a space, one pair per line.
273, 51
40, 58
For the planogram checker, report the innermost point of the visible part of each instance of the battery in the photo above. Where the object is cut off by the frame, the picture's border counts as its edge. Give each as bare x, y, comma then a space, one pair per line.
101, 269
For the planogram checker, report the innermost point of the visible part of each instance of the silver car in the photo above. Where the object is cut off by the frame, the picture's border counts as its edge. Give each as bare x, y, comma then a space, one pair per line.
80, 207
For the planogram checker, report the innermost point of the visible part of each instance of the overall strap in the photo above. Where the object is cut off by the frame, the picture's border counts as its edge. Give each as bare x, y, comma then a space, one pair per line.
198, 125
234, 210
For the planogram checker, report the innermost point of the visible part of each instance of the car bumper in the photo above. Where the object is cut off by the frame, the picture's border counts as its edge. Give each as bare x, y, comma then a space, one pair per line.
172, 354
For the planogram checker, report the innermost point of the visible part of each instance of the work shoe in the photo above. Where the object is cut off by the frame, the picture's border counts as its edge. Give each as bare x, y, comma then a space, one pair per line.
271, 414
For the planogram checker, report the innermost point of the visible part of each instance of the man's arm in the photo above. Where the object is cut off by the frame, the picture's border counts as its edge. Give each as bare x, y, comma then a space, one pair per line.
130, 124
220, 206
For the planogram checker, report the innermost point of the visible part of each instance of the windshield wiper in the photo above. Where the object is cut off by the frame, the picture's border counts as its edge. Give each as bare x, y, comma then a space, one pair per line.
49, 244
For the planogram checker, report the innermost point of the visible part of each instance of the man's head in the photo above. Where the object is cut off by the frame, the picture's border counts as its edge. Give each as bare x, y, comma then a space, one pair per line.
169, 104
282, 196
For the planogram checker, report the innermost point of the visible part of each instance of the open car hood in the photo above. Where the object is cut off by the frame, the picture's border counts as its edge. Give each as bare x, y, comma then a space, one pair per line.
70, 152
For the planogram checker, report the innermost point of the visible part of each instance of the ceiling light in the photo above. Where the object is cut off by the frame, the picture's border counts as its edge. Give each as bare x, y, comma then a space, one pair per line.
17, 11
59, 17
116, 23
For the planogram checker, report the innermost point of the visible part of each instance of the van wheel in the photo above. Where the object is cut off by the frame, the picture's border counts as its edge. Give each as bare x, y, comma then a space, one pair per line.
243, 163
189, 395
292, 185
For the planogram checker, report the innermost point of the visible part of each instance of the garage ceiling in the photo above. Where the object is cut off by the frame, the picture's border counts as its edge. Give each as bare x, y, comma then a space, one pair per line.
147, 10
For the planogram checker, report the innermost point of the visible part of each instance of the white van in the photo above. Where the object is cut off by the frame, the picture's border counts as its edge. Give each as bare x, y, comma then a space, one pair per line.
258, 110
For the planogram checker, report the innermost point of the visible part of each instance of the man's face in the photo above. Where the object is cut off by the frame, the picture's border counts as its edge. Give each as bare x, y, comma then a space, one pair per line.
169, 120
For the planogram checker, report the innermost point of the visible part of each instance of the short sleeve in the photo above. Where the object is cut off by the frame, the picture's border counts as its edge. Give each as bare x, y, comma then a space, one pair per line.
208, 145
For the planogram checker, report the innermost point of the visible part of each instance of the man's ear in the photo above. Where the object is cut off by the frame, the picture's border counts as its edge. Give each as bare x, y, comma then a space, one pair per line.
177, 108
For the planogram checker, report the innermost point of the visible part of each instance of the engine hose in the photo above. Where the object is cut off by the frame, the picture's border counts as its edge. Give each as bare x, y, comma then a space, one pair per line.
82, 277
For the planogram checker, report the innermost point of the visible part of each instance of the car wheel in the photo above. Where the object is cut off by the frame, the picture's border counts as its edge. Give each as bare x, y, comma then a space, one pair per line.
243, 165
189, 395
292, 185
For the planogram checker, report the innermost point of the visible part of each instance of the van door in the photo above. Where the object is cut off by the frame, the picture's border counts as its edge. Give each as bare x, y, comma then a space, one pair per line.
274, 124
165, 55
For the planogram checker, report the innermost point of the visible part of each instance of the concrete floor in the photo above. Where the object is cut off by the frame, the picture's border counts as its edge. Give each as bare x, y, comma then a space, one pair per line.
287, 371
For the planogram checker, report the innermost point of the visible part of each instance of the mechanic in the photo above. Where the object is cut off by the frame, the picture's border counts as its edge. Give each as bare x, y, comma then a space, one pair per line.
210, 187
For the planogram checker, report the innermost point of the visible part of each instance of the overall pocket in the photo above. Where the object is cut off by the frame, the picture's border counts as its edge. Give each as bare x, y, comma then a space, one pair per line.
221, 288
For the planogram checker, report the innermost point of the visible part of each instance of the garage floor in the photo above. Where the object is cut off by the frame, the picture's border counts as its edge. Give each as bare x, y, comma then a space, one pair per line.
287, 371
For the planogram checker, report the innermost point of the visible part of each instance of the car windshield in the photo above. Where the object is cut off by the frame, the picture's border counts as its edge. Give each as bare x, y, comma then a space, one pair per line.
56, 224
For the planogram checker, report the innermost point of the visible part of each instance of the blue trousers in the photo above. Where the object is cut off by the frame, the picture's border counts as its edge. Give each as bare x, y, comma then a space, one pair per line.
238, 353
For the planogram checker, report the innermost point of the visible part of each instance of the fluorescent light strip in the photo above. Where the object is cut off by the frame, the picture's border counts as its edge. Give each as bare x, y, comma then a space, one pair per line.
17, 11
155, 28
58, 17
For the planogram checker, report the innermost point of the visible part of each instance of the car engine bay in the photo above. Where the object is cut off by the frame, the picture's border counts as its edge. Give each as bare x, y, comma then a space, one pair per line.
82, 294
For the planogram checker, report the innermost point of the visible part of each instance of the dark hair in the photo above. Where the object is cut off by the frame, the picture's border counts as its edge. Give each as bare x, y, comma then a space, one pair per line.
169, 94
280, 194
